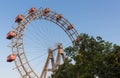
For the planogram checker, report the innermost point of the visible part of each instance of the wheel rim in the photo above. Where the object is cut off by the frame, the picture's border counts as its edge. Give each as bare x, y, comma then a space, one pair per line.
18, 48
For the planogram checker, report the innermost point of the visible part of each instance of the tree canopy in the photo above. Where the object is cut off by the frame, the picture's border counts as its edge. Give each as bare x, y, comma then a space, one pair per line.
90, 58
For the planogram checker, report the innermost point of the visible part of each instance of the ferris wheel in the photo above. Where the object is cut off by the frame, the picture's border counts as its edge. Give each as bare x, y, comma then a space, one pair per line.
35, 41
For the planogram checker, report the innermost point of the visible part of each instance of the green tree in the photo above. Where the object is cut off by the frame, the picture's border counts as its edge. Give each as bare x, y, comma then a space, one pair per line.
89, 58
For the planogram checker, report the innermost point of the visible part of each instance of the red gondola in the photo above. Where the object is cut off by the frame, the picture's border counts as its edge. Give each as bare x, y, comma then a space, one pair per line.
11, 57
47, 10
70, 27
78, 39
11, 35
33, 9
19, 18
60, 16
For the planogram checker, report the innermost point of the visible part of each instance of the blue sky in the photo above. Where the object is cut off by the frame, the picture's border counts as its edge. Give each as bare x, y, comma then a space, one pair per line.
94, 17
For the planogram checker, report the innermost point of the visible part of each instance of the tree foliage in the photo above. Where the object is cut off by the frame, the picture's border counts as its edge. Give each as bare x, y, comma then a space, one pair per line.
89, 58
